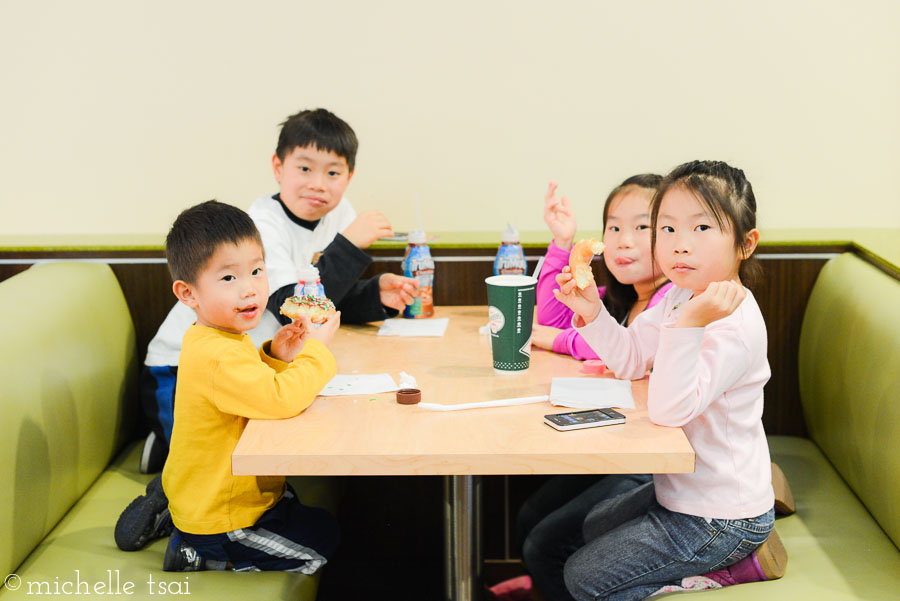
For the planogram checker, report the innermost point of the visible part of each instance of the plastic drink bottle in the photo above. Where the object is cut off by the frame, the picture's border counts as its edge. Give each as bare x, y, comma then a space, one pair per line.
308, 282
418, 264
510, 259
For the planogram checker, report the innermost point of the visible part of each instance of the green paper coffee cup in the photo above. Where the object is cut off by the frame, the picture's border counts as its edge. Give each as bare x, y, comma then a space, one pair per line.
510, 312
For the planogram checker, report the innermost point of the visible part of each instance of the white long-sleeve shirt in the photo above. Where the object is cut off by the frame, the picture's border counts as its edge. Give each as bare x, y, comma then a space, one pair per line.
709, 381
288, 247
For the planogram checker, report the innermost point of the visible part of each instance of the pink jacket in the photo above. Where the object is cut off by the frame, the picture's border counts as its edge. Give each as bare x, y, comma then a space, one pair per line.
551, 312
709, 381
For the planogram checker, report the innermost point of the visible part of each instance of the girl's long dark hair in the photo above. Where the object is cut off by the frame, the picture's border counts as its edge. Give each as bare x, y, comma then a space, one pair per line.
619, 297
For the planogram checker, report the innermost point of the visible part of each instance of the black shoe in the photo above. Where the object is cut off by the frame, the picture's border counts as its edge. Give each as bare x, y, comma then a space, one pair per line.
153, 456
180, 557
145, 519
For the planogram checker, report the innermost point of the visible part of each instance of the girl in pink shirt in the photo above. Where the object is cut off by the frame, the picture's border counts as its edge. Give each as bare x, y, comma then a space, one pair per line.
548, 525
633, 282
706, 342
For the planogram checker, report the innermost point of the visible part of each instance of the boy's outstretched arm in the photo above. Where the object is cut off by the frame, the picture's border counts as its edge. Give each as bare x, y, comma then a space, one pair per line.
256, 385
396, 291
340, 267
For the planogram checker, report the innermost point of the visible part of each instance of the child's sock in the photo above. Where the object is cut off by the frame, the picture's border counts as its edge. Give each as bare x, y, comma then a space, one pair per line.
514, 589
691, 583
767, 562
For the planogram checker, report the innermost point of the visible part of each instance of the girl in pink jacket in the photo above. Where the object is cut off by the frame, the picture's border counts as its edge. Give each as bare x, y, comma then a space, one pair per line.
548, 525
706, 342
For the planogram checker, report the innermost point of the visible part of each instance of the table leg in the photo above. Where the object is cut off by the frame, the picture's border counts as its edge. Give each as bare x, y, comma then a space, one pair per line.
462, 538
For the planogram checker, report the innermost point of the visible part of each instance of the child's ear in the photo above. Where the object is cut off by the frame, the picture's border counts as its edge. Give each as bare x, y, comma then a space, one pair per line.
349, 177
185, 293
277, 167
751, 240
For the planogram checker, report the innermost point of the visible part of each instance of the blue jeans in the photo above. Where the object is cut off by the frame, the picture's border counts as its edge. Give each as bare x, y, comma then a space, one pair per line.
550, 496
634, 546
559, 509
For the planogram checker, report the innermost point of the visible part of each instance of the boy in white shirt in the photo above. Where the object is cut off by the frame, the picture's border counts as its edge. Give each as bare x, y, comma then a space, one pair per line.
309, 221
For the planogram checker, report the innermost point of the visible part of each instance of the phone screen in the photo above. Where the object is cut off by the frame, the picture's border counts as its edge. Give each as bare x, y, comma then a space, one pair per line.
584, 419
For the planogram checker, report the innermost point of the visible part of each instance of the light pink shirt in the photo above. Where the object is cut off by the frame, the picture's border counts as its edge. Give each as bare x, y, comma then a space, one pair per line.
710, 382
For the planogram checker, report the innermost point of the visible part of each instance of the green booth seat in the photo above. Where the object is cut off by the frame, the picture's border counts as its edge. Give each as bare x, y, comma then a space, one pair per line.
68, 401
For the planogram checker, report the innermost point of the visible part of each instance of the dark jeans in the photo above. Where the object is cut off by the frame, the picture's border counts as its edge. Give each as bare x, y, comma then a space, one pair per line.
557, 511
289, 536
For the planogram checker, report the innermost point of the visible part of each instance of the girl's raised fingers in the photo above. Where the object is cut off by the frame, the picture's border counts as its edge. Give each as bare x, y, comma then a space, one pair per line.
550, 196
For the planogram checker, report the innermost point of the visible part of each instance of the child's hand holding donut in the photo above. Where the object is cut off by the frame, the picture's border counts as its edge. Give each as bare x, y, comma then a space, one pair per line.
585, 302
325, 332
559, 218
719, 300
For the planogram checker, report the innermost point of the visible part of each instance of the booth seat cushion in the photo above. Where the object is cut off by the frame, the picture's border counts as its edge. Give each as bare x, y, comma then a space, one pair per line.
81, 548
849, 372
68, 374
836, 551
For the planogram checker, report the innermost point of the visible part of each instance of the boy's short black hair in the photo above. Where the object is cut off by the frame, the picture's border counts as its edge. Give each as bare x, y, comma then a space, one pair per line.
320, 128
199, 231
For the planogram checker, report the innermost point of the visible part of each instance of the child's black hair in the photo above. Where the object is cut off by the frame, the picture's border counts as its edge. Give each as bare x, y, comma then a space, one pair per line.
727, 195
320, 128
199, 231
620, 298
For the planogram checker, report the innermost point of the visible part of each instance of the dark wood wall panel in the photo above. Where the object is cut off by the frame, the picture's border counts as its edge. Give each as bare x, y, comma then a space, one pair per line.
782, 298
148, 292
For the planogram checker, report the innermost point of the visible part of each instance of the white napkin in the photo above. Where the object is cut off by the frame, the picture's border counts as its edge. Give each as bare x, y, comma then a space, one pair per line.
414, 327
361, 384
591, 393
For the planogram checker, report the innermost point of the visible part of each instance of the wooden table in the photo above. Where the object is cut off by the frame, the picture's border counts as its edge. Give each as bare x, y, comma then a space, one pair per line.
373, 435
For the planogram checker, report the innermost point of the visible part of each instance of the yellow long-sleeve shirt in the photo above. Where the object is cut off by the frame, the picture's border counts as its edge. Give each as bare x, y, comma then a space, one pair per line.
223, 381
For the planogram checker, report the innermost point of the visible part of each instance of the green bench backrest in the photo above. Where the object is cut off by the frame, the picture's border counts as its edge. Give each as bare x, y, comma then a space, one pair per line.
68, 377
850, 381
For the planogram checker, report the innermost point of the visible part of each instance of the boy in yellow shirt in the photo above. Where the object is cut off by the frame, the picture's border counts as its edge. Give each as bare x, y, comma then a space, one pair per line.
223, 521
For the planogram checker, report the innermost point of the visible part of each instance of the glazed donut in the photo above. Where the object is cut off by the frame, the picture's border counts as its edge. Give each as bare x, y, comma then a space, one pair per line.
318, 308
580, 261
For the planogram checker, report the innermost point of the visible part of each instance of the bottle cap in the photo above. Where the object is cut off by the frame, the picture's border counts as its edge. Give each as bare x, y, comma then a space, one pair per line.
409, 396
307, 273
510, 236
417, 237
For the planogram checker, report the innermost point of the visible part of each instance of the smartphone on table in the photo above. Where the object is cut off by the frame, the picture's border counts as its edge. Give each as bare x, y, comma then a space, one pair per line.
576, 420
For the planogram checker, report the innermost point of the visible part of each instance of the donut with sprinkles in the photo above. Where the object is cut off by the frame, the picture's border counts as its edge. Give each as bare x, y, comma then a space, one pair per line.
318, 308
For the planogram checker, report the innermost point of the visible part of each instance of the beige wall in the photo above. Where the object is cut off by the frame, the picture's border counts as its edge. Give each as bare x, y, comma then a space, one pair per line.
116, 115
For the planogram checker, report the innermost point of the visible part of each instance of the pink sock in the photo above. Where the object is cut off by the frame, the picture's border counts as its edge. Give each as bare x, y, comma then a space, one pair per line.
514, 589
746, 570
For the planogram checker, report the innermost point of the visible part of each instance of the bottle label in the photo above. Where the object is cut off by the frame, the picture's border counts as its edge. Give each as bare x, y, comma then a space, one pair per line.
309, 288
418, 264
510, 260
